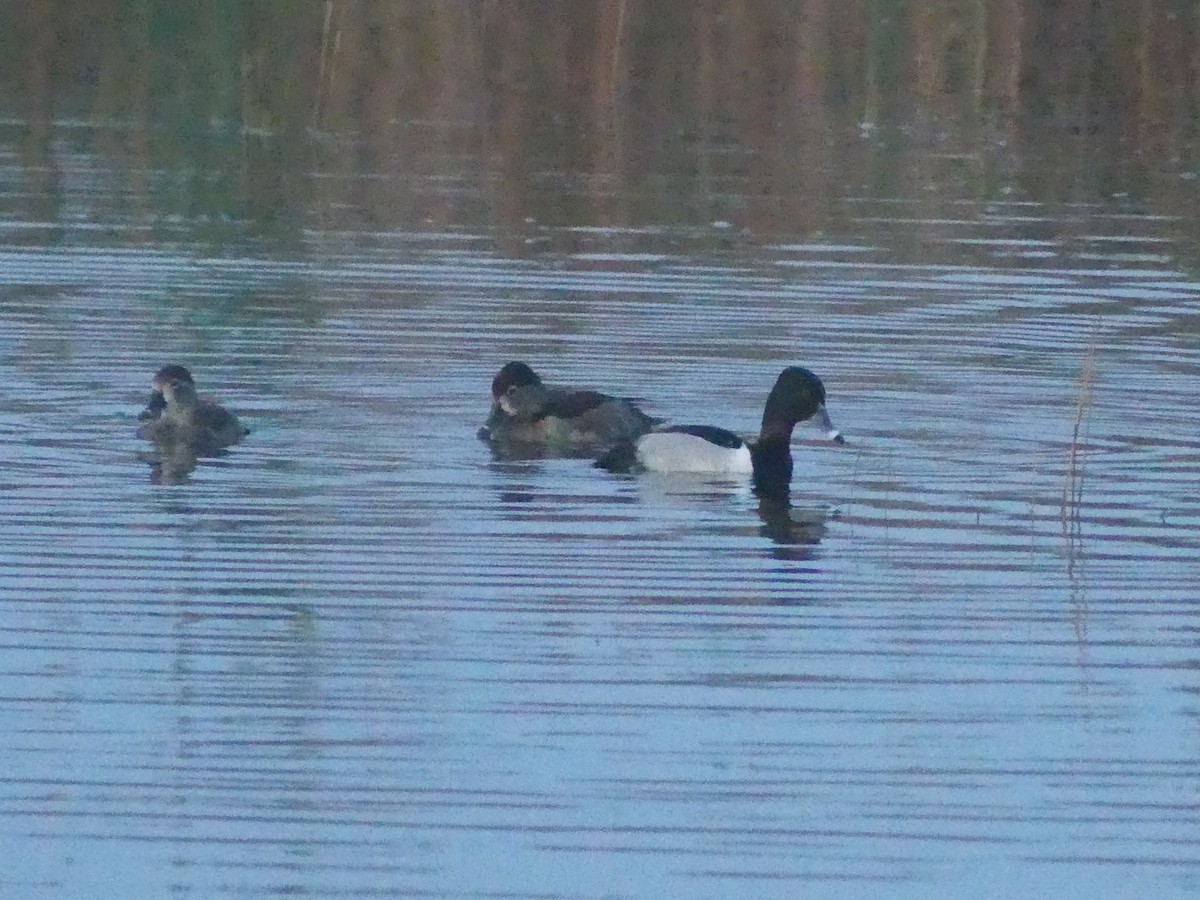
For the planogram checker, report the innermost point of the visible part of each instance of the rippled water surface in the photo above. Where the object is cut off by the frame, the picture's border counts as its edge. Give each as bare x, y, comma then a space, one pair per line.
359, 656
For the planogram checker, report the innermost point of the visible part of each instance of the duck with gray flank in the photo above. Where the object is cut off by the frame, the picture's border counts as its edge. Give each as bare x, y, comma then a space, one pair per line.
526, 412
177, 415
798, 395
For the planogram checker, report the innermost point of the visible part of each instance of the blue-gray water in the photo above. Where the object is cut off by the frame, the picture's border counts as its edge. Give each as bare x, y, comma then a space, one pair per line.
358, 656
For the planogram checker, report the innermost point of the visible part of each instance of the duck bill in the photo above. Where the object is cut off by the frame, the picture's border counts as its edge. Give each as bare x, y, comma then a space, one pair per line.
823, 421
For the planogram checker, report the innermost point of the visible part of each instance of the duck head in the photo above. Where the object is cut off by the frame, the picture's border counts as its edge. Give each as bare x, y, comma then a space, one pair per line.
176, 388
517, 390
157, 402
798, 395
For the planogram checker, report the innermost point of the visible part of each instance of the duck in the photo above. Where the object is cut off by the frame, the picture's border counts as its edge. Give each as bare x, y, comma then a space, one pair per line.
177, 416
528, 412
798, 395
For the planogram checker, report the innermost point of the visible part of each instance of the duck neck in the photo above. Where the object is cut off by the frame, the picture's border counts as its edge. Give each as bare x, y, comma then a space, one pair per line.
777, 425
772, 459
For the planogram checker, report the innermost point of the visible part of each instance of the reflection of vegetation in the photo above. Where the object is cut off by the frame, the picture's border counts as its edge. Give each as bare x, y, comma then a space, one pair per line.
1072, 498
273, 63
231, 90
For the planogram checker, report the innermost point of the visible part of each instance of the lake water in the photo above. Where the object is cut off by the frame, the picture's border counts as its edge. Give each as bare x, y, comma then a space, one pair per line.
358, 656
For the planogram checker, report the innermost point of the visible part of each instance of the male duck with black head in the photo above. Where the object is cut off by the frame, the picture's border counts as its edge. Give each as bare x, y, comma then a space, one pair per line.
798, 395
176, 415
529, 415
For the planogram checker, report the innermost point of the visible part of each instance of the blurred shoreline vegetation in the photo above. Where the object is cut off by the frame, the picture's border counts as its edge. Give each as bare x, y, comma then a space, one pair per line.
265, 92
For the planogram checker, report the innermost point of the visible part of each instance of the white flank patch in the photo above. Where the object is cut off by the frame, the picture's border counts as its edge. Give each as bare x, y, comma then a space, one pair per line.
673, 451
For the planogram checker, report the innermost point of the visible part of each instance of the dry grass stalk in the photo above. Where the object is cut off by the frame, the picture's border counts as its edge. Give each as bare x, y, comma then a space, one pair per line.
1072, 497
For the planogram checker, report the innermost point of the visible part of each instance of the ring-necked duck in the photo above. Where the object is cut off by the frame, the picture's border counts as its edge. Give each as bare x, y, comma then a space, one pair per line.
177, 415
526, 411
798, 395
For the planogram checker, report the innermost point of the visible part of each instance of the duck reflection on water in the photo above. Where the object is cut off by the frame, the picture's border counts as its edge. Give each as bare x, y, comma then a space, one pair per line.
794, 530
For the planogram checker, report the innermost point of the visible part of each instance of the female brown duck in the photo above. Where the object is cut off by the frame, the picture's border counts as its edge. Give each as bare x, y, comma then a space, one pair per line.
177, 415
